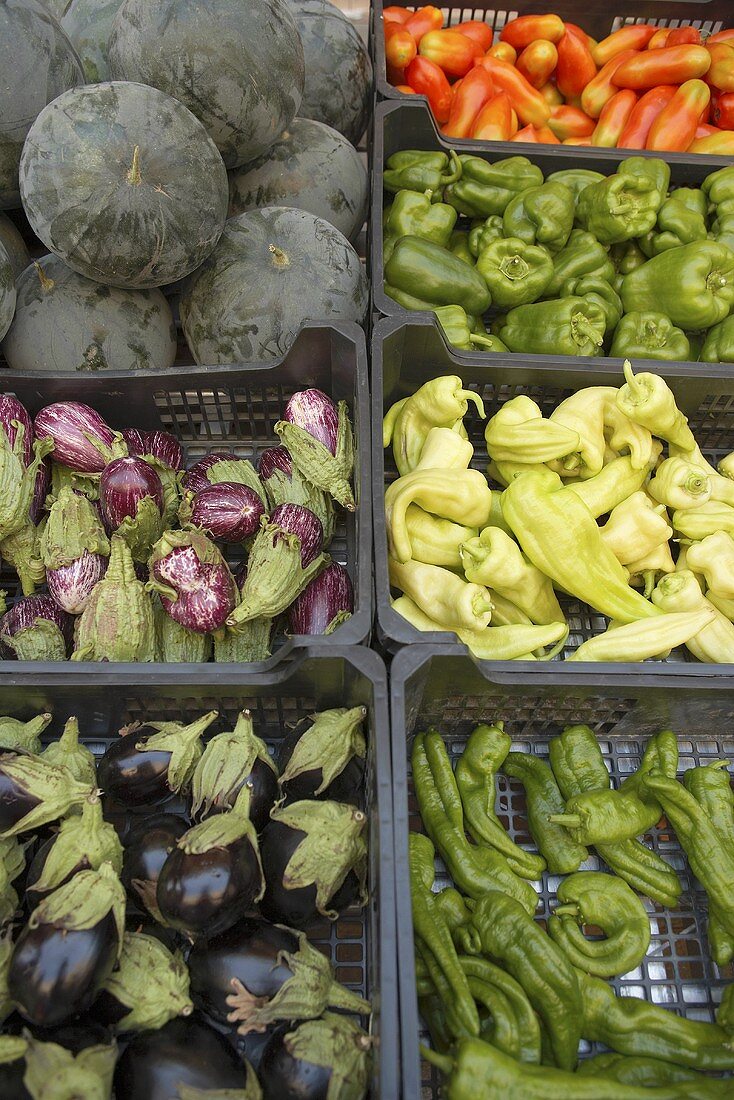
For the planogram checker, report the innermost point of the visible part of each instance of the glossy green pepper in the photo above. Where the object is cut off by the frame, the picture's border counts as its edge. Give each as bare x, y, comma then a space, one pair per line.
407, 301
575, 179
620, 208
484, 233
459, 245
710, 785
719, 186
515, 272
457, 330
648, 1072
581, 255
718, 347
681, 219
543, 798
626, 256
649, 335
414, 215
486, 188
541, 215
608, 903
434, 274
692, 285
654, 169
594, 288
415, 170
567, 326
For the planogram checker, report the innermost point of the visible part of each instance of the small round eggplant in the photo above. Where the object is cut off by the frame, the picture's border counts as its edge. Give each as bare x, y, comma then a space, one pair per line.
33, 792
324, 756
148, 846
195, 479
305, 1062
300, 521
227, 511
161, 445
71, 586
184, 1052
75, 429
314, 412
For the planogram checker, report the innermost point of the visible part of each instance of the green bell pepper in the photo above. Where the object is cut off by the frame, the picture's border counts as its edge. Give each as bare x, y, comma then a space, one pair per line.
718, 347
649, 335
434, 274
627, 256
593, 288
692, 285
651, 168
458, 331
620, 208
719, 186
414, 215
515, 272
415, 170
484, 233
541, 215
681, 219
566, 326
459, 245
575, 179
581, 255
485, 188
407, 301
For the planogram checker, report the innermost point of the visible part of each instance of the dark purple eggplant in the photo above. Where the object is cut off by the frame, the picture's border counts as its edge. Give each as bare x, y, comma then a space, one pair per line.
71, 585
68, 949
324, 756
13, 413
230, 762
12, 1068
77, 1036
83, 440
316, 413
330, 879
195, 479
148, 845
149, 763
324, 604
227, 511
36, 629
213, 876
184, 1052
122, 486
34, 792
189, 565
340, 1054
275, 458
300, 521
160, 445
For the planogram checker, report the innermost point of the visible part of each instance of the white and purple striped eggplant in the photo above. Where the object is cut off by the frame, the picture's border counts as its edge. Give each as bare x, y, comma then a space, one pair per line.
294, 519
159, 445
193, 580
285, 485
317, 414
72, 585
195, 479
272, 459
324, 604
82, 439
227, 511
13, 413
36, 629
218, 467
318, 437
123, 485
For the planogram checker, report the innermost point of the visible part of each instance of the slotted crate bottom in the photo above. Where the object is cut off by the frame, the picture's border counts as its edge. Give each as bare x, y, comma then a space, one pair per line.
437, 688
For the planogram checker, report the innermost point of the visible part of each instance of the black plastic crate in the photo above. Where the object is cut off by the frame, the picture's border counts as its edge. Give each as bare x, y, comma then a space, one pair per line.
235, 408
404, 356
361, 943
440, 686
408, 125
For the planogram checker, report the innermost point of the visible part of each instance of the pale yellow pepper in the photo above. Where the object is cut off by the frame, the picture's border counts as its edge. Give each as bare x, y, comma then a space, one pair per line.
681, 592
494, 559
436, 541
613, 484
446, 598
714, 558
647, 571
649, 638
696, 523
519, 432
440, 403
462, 496
445, 449
679, 484
635, 528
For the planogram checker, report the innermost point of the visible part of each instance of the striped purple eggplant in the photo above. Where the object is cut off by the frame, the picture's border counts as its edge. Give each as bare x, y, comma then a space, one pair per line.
72, 585
227, 511
317, 414
302, 522
189, 563
325, 603
195, 479
83, 440
31, 642
275, 458
161, 445
123, 484
11, 410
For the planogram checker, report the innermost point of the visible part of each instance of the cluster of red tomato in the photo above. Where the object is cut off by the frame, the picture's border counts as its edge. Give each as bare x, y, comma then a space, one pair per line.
546, 80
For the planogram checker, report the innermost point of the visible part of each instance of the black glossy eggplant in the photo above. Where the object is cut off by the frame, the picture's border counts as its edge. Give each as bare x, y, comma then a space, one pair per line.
149, 763
146, 850
34, 792
256, 974
149, 986
68, 948
184, 1052
76, 1036
316, 1060
323, 756
13, 1050
230, 762
213, 876
314, 855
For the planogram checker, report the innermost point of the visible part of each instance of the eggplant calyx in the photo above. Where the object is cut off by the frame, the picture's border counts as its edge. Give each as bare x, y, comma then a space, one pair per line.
53, 787
337, 1044
12, 1049
12, 860
54, 1073
6, 951
85, 838
327, 471
240, 471
221, 830
282, 489
249, 642
143, 529
73, 526
40, 641
333, 739
9, 905
151, 981
15, 735
68, 752
184, 745
227, 759
83, 902
275, 574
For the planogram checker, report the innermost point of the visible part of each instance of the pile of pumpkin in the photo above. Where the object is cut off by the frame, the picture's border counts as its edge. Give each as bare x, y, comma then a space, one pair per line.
157, 153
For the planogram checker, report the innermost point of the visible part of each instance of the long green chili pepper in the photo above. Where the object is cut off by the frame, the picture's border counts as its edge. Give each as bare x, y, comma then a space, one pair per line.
457, 915
593, 898
434, 1016
513, 938
661, 752
710, 785
562, 854
482, 757
474, 869
650, 1072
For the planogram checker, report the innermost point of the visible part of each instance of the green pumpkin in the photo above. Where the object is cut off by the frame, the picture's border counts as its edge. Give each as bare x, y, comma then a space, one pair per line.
37, 63
88, 24
64, 322
237, 64
272, 270
14, 245
7, 292
123, 184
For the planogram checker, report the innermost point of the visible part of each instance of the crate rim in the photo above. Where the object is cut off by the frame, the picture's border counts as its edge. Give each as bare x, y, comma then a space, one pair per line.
405, 664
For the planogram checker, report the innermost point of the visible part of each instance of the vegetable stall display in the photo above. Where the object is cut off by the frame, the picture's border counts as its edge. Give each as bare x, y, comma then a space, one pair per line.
128, 543
506, 1000
573, 264
126, 923
587, 505
545, 80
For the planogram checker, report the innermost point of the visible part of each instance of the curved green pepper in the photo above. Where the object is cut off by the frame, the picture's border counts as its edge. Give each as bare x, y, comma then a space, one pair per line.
486, 188
515, 272
575, 179
647, 1072
711, 787
594, 288
425, 269
561, 853
459, 332
541, 215
649, 335
692, 285
484, 233
590, 897
415, 215
416, 170
626, 256
581, 255
681, 219
718, 347
567, 326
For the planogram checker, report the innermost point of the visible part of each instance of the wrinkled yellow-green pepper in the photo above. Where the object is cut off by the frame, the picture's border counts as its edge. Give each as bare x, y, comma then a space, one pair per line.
436, 541
446, 598
714, 558
679, 484
445, 449
505, 472
520, 433
494, 559
722, 487
635, 528
583, 413
681, 592
640, 641
617, 481
459, 495
696, 523
648, 400
647, 571
440, 403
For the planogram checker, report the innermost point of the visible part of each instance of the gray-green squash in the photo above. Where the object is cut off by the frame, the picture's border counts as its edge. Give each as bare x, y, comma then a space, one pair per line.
338, 87
311, 167
123, 184
272, 270
237, 64
37, 63
15, 246
64, 322
7, 292
88, 24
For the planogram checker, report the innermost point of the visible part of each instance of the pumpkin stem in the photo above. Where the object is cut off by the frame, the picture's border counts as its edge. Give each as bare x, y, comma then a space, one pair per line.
280, 258
133, 175
46, 283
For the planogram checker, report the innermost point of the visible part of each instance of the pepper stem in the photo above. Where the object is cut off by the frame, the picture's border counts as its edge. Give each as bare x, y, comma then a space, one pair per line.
569, 821
631, 379
440, 1061
455, 167
469, 395
566, 911
483, 341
